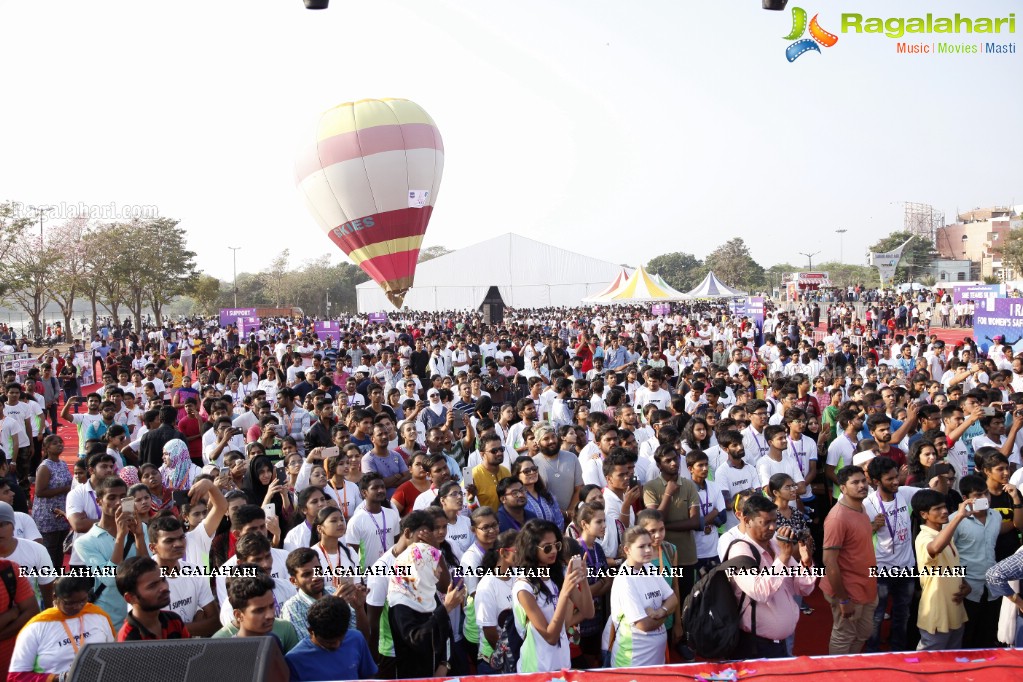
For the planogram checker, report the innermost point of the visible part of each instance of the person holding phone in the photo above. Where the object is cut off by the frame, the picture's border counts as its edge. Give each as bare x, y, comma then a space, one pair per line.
178, 471
263, 487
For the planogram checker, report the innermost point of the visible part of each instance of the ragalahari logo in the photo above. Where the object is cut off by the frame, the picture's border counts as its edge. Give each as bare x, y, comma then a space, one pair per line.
817, 36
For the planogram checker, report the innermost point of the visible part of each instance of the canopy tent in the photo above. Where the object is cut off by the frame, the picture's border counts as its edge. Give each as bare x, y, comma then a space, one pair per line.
711, 287
620, 280
524, 272
641, 288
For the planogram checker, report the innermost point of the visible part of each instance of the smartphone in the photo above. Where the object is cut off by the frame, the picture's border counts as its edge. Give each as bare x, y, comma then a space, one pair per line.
180, 498
128, 505
225, 471
981, 504
989, 411
331, 452
467, 475
282, 475
633, 482
269, 510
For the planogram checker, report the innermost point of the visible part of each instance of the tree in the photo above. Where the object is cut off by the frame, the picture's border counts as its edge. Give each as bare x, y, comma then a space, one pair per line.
205, 293
683, 271
66, 244
1012, 252
275, 278
13, 227
107, 261
28, 275
431, 252
845, 275
733, 265
916, 260
170, 266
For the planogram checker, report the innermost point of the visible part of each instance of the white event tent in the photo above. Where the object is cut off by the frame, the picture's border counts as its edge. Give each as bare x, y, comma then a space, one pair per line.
712, 287
524, 272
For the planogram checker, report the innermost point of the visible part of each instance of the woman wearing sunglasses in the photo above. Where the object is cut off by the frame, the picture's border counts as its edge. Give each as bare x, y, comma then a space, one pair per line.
543, 612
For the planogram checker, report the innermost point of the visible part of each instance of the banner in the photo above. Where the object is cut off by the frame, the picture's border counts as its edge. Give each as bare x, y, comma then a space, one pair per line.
1000, 318
330, 329
887, 262
231, 315
660, 309
246, 326
977, 292
377, 318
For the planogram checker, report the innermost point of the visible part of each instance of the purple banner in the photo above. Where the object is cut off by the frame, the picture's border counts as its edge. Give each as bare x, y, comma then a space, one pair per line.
977, 292
377, 318
231, 315
660, 309
999, 319
246, 326
328, 329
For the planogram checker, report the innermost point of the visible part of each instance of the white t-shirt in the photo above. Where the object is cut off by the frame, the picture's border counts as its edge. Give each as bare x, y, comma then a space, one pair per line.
612, 513
25, 527
631, 595
660, 397
347, 497
331, 562
197, 546
734, 480
493, 597
899, 512
541, 656
372, 534
81, 499
985, 442
711, 497
460, 536
297, 537
283, 589
43, 647
755, 444
469, 562
767, 467
804, 451
29, 554
189, 593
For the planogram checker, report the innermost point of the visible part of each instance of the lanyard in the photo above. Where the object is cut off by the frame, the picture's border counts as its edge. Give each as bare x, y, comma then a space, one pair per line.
591, 554
797, 453
760, 447
380, 532
99, 512
71, 637
343, 503
330, 565
891, 531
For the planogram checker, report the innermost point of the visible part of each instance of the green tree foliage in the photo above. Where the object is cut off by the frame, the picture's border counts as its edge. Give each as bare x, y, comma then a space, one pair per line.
431, 252
683, 271
204, 290
844, 275
733, 265
917, 257
154, 263
1012, 252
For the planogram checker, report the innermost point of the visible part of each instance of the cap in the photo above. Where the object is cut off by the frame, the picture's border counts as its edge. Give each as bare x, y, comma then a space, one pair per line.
861, 458
6, 513
362, 369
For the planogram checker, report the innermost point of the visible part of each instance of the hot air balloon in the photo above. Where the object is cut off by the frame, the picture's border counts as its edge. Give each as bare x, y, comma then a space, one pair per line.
370, 180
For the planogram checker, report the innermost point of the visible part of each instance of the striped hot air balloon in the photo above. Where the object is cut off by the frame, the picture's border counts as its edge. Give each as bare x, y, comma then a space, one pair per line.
370, 181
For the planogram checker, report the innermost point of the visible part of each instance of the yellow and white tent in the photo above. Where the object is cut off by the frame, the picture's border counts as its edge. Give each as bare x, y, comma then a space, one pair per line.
641, 287
620, 280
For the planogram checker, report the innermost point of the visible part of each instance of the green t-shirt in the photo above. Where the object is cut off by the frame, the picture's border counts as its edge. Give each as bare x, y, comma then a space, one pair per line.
284, 630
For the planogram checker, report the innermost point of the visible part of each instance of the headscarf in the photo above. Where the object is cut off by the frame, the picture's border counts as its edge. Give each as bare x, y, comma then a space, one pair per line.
418, 590
255, 490
130, 475
177, 475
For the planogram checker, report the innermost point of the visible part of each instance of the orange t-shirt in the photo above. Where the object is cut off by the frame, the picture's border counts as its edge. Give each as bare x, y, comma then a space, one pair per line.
851, 531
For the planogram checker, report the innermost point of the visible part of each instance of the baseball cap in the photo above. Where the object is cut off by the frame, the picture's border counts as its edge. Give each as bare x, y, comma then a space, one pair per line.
6, 513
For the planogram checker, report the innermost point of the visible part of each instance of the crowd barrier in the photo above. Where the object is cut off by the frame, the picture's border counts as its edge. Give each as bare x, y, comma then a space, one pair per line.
977, 664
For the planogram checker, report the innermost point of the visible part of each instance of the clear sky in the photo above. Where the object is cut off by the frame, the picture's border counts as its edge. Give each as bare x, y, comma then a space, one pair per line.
620, 129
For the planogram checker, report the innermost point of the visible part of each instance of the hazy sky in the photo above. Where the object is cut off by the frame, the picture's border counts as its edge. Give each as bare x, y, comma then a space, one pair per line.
621, 129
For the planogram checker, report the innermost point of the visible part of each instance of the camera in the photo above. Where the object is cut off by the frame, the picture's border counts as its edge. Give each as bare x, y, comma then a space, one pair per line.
774, 5
322, 4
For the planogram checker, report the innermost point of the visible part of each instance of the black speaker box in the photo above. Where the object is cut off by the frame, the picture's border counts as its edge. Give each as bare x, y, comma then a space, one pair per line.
182, 660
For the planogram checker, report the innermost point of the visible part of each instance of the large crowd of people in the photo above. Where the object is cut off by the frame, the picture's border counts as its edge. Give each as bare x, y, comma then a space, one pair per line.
435, 495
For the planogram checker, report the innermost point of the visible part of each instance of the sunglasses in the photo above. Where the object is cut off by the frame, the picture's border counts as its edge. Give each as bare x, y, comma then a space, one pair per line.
549, 547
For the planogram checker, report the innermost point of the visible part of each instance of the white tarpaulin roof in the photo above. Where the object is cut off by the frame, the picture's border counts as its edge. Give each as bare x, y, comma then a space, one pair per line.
528, 274
711, 287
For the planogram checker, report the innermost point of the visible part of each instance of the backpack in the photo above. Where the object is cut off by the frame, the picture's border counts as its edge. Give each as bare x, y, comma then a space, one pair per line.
10, 582
509, 643
711, 615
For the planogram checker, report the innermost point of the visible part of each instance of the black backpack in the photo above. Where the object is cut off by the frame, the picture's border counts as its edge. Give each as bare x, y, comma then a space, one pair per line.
509, 644
711, 615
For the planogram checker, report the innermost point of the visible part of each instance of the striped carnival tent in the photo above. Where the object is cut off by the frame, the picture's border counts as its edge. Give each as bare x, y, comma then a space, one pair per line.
619, 281
711, 287
641, 287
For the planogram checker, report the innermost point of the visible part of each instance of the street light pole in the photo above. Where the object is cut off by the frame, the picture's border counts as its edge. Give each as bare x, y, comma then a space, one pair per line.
234, 254
809, 257
841, 258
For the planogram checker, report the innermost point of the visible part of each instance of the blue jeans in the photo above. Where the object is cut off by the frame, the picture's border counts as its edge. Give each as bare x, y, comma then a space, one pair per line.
900, 590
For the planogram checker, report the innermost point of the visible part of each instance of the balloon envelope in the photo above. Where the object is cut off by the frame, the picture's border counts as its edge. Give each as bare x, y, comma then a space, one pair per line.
370, 177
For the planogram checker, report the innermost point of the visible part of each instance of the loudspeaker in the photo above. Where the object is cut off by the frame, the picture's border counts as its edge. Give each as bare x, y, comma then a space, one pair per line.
182, 660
